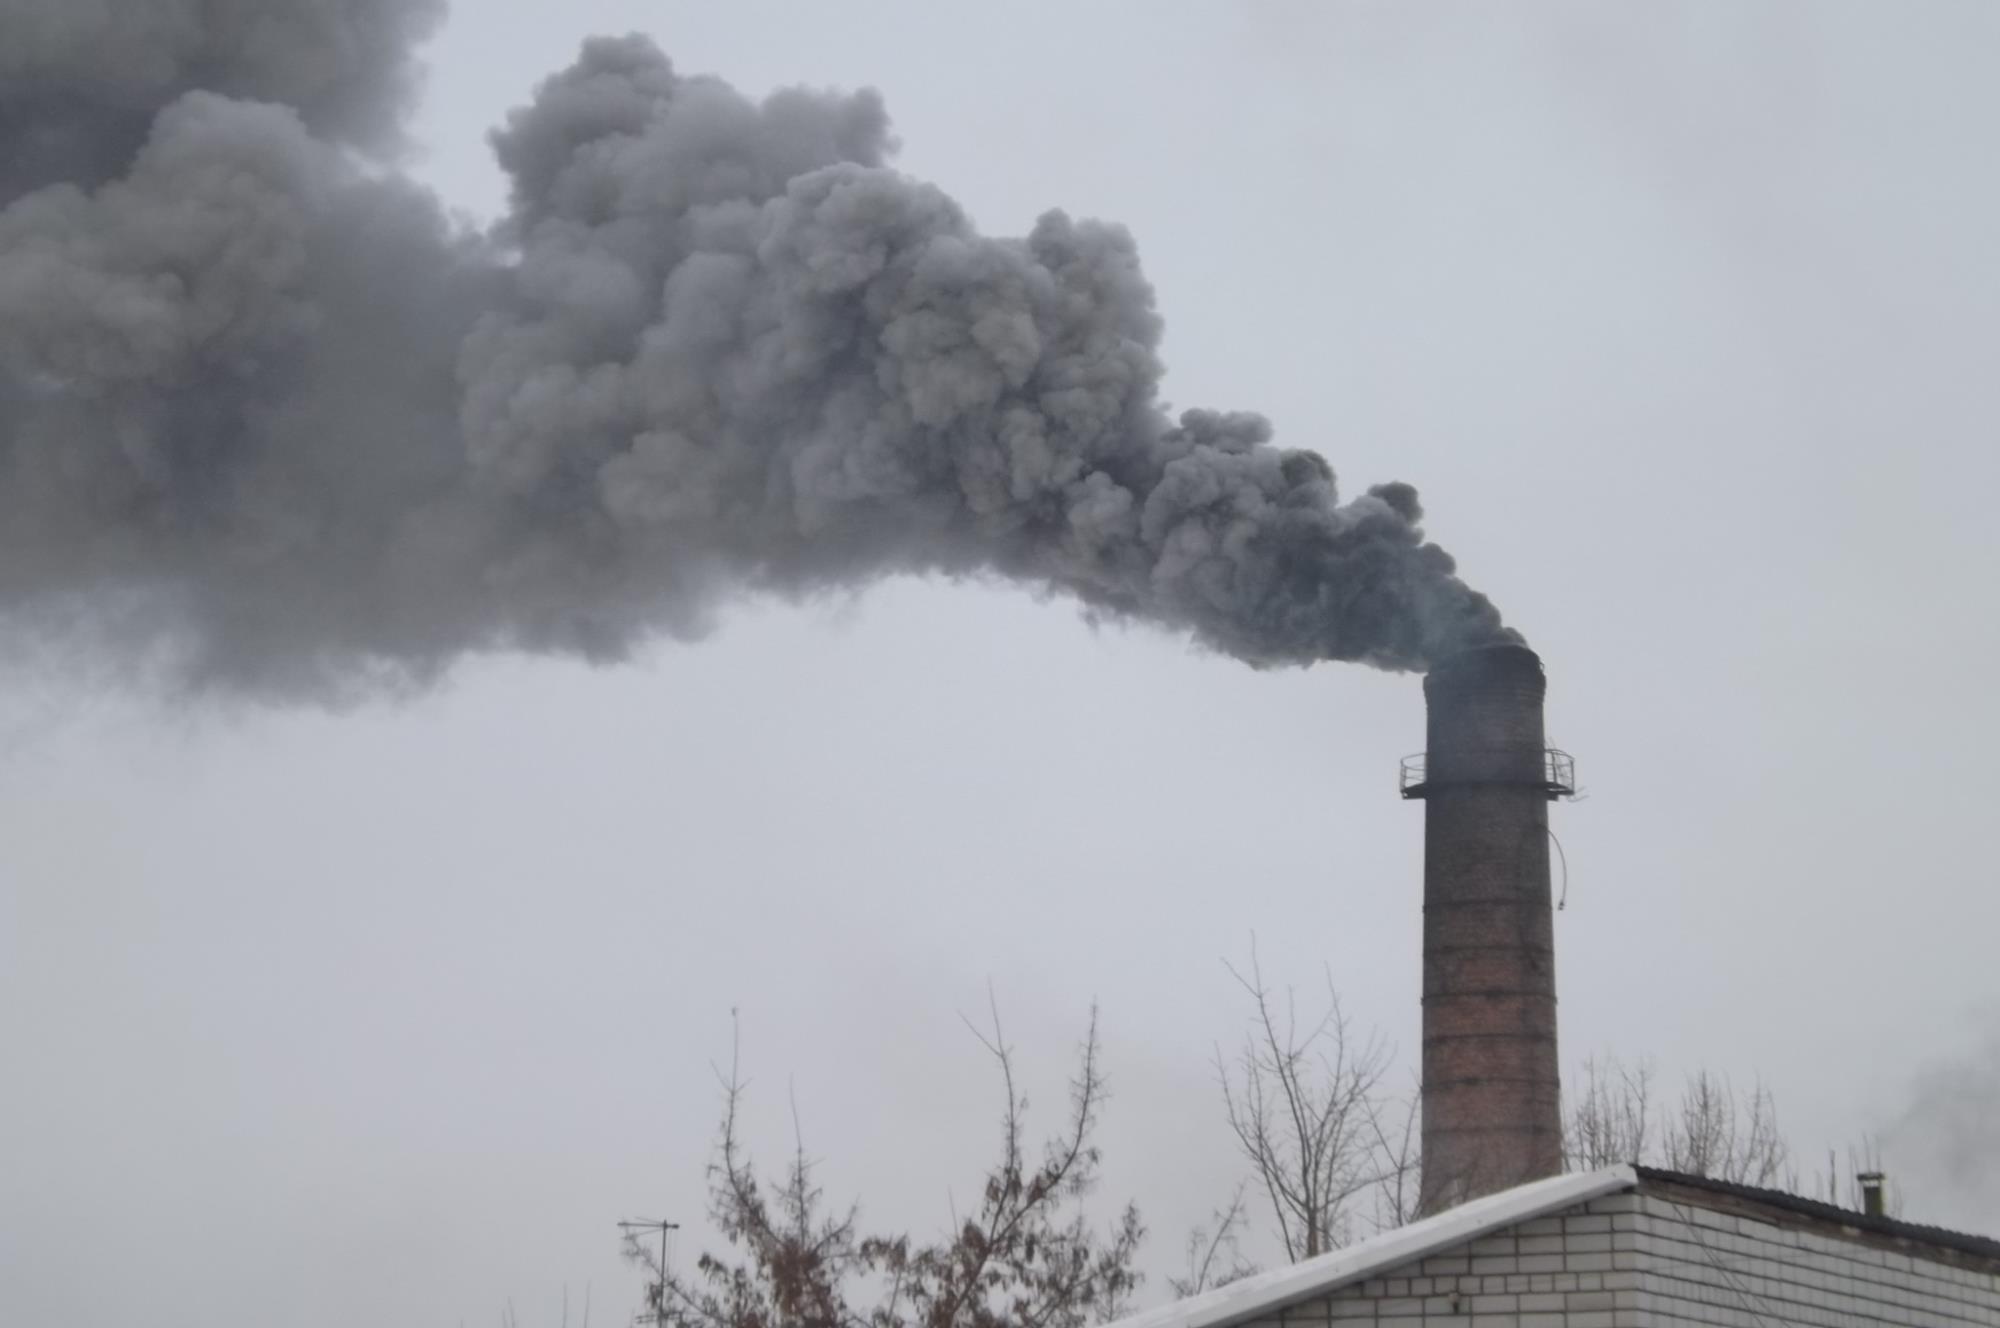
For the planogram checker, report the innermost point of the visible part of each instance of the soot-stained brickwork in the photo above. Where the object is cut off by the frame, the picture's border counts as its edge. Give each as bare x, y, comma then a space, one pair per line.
1492, 1113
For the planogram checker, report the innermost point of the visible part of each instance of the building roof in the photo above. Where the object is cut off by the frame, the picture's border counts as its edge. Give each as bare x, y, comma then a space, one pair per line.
1980, 1247
1267, 1292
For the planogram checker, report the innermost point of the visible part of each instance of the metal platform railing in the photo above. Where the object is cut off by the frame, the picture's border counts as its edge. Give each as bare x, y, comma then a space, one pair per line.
1558, 774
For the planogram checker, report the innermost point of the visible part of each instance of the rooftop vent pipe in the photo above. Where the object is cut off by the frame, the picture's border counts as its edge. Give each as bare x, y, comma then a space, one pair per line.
1492, 1111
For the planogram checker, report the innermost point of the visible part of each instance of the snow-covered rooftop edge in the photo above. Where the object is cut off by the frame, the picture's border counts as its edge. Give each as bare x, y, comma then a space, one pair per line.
1268, 1292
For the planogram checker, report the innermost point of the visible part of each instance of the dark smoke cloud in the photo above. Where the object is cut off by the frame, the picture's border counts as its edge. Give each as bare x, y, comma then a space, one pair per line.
269, 423
1944, 1148
81, 79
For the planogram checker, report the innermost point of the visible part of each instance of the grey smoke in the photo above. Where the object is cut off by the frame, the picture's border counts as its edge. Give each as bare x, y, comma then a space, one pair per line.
269, 422
80, 81
1944, 1147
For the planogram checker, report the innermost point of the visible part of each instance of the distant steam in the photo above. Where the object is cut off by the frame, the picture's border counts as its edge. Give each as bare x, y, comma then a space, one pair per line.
270, 423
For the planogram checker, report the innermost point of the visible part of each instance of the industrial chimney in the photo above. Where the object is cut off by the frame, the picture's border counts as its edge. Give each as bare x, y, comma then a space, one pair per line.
1492, 1111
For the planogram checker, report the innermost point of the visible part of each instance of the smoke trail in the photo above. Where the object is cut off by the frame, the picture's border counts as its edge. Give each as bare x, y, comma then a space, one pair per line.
270, 423
1944, 1148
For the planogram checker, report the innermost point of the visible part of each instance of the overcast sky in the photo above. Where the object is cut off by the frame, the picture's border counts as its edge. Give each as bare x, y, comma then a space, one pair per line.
1682, 318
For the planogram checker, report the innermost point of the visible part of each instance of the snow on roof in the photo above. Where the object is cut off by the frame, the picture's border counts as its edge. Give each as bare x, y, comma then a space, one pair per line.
1268, 1292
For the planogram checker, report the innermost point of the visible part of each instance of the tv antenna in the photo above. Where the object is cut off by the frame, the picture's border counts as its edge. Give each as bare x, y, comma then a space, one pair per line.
633, 1227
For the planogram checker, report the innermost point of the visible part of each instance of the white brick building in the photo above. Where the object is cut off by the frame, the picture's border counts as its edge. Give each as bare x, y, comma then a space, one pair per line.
1624, 1248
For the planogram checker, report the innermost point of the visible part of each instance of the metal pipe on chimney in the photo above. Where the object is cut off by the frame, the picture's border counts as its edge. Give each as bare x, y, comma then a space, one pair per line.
1492, 1111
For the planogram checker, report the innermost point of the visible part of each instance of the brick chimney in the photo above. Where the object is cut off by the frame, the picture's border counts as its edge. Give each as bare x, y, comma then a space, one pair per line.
1492, 1112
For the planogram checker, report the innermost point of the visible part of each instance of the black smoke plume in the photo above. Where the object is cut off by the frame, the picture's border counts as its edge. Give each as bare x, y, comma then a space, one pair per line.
271, 424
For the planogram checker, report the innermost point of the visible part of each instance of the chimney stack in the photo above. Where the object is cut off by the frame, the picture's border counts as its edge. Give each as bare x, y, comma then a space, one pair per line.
1492, 1110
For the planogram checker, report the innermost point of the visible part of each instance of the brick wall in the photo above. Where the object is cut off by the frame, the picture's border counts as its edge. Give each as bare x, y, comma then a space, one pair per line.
1707, 1267
1492, 1115
1643, 1260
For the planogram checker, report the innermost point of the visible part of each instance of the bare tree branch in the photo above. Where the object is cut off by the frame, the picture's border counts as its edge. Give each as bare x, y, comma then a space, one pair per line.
1026, 1258
1711, 1131
1304, 1110
1214, 1257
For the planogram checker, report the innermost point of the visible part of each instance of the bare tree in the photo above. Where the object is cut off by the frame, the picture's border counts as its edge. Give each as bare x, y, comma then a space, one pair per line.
1214, 1252
1711, 1131
1302, 1100
1397, 1125
1842, 1185
1610, 1118
1717, 1133
1028, 1257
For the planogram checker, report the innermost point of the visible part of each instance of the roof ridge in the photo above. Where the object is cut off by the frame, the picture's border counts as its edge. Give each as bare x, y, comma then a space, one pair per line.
1276, 1288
